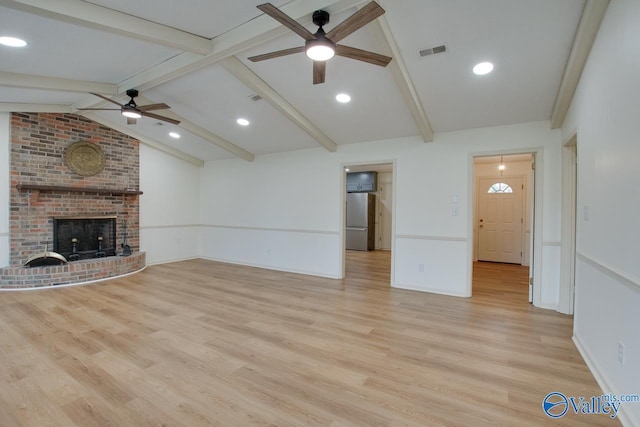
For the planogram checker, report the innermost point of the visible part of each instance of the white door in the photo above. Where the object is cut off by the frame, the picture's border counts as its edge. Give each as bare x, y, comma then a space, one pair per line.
500, 219
385, 196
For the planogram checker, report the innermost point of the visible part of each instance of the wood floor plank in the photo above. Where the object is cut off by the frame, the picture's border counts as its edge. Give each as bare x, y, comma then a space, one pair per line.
198, 343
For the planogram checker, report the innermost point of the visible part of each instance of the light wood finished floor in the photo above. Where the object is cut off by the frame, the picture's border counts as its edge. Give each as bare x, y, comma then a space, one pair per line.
202, 343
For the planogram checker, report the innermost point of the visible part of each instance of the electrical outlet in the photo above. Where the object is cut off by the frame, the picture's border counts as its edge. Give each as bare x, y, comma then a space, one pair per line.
420, 268
621, 352
454, 211
268, 251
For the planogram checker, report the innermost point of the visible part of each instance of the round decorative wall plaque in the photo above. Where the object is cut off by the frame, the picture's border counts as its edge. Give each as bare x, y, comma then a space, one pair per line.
84, 158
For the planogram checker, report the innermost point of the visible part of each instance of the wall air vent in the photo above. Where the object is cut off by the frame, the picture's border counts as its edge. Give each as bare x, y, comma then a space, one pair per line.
433, 50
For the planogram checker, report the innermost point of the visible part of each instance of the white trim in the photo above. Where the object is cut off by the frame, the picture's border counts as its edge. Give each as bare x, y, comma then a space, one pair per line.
282, 230
156, 227
169, 261
631, 281
626, 419
568, 224
429, 290
439, 238
271, 267
66, 285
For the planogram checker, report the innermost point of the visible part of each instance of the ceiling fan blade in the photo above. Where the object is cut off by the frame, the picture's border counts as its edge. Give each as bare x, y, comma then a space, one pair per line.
100, 109
276, 54
362, 55
286, 20
107, 99
356, 21
131, 121
159, 117
151, 107
319, 70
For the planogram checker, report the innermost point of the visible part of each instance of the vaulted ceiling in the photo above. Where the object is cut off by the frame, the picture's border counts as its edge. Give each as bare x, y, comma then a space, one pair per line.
193, 55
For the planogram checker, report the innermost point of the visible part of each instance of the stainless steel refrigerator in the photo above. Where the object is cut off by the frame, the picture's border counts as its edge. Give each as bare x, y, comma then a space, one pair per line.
361, 210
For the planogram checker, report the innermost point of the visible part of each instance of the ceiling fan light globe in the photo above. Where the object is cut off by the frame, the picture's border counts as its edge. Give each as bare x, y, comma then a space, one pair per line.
320, 49
131, 114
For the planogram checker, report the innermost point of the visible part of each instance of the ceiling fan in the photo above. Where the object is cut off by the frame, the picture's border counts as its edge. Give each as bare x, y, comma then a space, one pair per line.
322, 46
132, 111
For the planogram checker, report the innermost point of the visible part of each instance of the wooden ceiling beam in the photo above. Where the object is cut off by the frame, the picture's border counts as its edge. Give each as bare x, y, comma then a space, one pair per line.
30, 81
203, 133
400, 73
245, 36
592, 17
251, 79
101, 18
12, 107
127, 130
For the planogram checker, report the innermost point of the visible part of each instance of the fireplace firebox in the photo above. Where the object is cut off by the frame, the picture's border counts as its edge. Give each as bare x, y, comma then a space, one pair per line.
78, 238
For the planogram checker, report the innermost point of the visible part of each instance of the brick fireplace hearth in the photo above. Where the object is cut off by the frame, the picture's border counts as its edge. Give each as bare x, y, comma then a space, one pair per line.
43, 187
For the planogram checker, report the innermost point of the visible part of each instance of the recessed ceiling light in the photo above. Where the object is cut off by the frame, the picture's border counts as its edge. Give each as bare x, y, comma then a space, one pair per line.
483, 68
343, 97
175, 135
12, 42
346, 170
243, 122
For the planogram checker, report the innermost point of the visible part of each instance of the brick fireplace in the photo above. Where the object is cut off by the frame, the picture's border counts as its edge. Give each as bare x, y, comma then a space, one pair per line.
43, 188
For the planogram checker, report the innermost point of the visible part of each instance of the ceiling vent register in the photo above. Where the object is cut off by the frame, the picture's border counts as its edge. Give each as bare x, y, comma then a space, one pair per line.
433, 50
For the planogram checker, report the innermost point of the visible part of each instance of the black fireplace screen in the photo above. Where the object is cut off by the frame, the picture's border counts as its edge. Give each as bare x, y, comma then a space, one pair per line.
84, 238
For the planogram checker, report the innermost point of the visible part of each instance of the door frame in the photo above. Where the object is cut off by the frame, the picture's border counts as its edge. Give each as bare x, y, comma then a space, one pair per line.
476, 209
536, 221
343, 212
568, 224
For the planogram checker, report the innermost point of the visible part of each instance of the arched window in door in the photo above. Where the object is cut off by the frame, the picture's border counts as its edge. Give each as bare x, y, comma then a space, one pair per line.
500, 187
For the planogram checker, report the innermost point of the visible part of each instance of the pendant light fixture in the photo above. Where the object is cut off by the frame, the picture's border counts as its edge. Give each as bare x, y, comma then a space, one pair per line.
501, 166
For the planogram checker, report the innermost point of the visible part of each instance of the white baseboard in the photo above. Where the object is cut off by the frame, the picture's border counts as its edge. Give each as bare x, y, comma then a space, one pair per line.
429, 290
168, 261
271, 267
625, 418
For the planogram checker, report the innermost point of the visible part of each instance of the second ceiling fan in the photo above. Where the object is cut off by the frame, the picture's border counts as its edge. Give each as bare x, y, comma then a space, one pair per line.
322, 46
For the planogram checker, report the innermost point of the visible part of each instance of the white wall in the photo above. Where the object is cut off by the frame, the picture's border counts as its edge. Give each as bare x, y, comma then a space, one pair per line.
169, 207
285, 211
605, 114
5, 150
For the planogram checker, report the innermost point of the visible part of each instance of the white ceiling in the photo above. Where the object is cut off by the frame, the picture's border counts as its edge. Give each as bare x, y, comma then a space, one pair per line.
193, 54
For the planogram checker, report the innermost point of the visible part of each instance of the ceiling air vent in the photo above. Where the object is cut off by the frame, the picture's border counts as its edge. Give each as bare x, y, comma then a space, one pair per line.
433, 50
255, 97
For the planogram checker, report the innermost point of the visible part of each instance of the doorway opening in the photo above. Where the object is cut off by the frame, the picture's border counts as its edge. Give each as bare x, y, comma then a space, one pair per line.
503, 219
368, 212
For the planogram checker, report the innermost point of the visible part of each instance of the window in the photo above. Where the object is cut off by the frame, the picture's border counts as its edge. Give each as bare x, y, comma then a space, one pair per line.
500, 187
